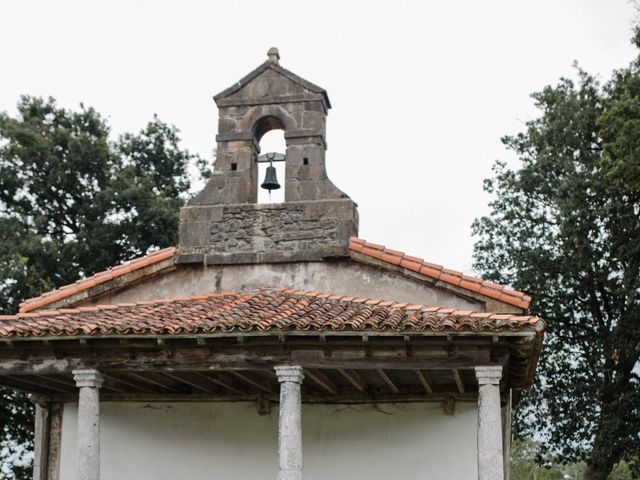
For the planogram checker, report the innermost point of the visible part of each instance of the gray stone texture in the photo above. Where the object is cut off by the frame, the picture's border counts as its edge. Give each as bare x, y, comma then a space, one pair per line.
252, 233
41, 441
290, 423
490, 454
88, 439
269, 98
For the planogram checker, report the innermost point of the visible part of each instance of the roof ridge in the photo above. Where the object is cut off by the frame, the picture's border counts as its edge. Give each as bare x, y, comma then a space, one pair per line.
440, 273
96, 279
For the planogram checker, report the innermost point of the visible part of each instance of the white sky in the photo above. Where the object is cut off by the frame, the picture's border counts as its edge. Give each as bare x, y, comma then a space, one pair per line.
422, 91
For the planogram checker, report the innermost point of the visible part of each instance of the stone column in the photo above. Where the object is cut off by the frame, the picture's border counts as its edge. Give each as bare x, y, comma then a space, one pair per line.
41, 439
289, 424
490, 460
88, 440
506, 436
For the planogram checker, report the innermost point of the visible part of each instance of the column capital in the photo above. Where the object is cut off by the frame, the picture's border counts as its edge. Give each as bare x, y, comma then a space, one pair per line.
489, 375
87, 378
289, 373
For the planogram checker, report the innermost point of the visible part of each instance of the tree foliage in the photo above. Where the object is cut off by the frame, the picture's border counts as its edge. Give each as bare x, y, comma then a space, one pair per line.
74, 202
527, 462
565, 227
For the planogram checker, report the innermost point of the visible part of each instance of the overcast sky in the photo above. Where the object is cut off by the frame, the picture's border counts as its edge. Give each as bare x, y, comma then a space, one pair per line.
422, 91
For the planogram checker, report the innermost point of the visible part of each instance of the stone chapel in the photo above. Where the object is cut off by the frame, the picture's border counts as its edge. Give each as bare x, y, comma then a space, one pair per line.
272, 342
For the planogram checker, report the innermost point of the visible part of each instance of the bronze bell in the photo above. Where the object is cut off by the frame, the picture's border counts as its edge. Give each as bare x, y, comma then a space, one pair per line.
270, 179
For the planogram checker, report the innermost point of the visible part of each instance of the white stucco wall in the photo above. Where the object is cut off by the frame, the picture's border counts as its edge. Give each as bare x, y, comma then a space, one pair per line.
339, 277
230, 441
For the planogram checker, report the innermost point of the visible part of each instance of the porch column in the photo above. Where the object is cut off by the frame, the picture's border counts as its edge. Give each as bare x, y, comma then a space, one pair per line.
490, 460
88, 439
289, 424
41, 439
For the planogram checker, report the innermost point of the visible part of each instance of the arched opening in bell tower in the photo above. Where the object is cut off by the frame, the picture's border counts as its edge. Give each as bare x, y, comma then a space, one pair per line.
269, 135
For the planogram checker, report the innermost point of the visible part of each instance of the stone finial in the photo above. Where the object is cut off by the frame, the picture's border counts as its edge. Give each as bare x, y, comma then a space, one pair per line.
274, 55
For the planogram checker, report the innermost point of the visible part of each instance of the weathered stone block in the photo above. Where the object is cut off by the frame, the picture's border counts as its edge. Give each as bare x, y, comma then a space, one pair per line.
250, 233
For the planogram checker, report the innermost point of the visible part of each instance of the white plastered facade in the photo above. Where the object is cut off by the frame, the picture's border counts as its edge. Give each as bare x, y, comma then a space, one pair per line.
230, 441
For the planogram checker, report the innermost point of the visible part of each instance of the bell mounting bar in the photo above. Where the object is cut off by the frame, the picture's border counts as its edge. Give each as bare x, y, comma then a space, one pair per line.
271, 157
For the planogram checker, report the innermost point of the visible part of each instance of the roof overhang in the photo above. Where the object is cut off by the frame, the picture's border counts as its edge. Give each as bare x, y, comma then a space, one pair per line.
358, 341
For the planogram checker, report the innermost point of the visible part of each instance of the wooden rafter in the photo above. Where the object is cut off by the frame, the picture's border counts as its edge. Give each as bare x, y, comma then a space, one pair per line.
219, 382
150, 381
424, 381
388, 380
458, 379
322, 380
252, 382
354, 379
135, 386
187, 381
39, 383
65, 383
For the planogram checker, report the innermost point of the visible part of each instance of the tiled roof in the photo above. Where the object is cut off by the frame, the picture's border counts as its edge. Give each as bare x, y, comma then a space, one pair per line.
439, 273
97, 279
264, 311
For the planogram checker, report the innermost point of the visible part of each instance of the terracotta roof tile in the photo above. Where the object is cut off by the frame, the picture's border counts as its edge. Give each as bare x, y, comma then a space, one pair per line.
439, 273
264, 311
97, 279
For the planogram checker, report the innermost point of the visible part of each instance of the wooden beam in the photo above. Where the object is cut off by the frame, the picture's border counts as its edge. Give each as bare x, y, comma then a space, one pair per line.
244, 358
424, 381
191, 383
252, 382
219, 382
65, 383
458, 378
71, 385
449, 406
150, 381
354, 379
135, 386
388, 380
39, 383
322, 380
351, 398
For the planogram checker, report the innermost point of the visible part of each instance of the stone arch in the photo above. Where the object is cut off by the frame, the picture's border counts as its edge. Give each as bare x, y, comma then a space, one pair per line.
265, 125
278, 118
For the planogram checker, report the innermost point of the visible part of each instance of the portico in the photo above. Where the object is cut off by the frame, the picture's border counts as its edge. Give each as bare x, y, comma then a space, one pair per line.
415, 355
290, 450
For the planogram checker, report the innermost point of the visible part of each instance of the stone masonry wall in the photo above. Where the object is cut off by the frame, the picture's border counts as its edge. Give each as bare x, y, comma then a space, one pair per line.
253, 233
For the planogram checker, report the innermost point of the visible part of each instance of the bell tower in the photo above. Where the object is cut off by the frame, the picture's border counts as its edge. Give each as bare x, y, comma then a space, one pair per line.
223, 223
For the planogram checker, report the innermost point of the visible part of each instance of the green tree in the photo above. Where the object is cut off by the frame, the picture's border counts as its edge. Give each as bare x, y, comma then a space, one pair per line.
565, 227
529, 462
525, 465
73, 202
